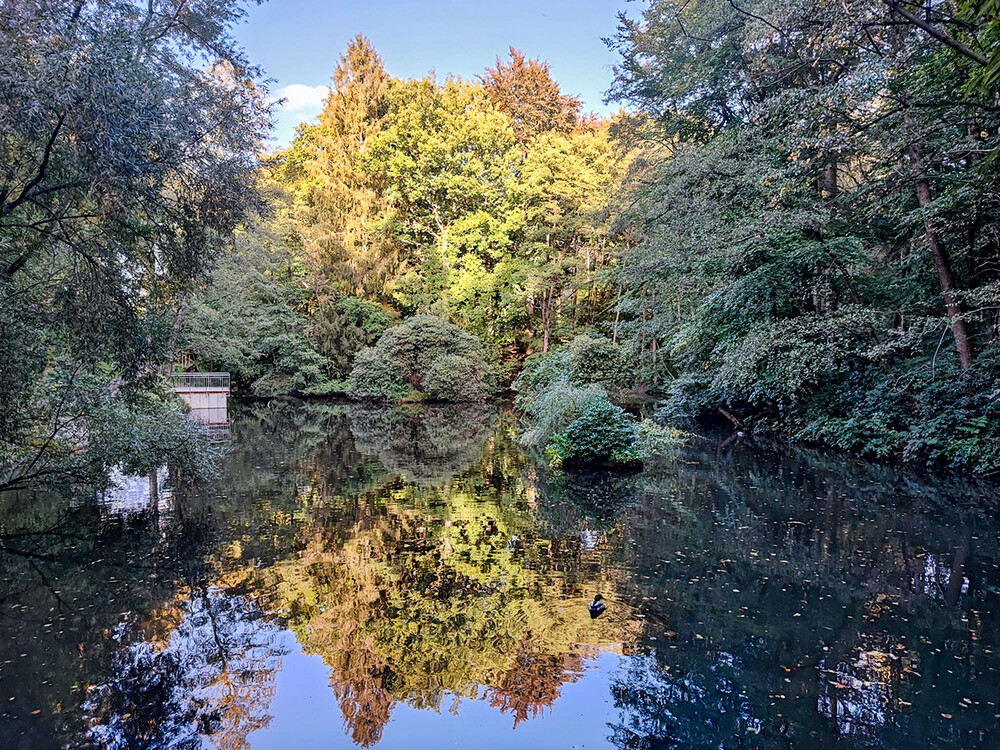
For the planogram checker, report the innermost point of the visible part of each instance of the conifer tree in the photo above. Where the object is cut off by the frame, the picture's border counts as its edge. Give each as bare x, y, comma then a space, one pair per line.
525, 91
340, 201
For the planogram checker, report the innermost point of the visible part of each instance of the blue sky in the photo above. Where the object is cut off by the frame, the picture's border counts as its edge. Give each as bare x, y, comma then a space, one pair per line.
298, 41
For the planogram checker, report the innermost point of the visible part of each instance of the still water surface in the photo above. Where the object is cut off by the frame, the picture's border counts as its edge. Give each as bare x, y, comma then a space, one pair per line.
402, 578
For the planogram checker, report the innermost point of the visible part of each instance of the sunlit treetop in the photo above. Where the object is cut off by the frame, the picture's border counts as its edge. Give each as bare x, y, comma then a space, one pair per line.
525, 91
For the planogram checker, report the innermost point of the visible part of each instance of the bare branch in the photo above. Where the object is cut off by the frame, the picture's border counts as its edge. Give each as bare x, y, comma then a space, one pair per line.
935, 32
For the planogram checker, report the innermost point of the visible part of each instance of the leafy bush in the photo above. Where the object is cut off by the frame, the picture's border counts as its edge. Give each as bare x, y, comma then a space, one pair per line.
594, 359
603, 433
375, 377
291, 366
953, 421
584, 361
554, 408
424, 354
454, 378
847, 380
568, 413
327, 388
555, 388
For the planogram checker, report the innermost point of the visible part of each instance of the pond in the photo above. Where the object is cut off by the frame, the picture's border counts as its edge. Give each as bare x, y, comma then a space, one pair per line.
406, 578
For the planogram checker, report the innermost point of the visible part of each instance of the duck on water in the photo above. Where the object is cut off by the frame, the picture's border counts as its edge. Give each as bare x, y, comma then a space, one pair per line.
596, 607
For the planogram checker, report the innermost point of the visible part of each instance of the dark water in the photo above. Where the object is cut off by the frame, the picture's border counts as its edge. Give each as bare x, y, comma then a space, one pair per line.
407, 579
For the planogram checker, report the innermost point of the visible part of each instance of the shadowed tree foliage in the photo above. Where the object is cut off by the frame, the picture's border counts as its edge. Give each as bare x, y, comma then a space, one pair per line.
813, 222
250, 318
128, 142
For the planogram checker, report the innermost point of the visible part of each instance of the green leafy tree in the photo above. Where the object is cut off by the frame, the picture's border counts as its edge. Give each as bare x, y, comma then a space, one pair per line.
424, 354
814, 245
128, 142
569, 181
449, 163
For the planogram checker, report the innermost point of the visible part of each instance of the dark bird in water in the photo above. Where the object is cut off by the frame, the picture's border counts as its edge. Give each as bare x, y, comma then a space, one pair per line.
596, 607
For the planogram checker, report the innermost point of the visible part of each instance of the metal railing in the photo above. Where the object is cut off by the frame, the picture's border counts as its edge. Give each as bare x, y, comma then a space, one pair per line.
200, 381
219, 431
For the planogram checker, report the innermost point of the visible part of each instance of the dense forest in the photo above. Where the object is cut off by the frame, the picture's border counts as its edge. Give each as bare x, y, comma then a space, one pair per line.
791, 226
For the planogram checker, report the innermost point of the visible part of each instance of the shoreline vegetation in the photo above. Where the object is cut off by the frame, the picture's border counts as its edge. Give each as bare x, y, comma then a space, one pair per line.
793, 222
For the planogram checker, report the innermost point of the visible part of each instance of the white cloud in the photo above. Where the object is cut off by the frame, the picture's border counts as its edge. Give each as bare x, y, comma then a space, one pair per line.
300, 97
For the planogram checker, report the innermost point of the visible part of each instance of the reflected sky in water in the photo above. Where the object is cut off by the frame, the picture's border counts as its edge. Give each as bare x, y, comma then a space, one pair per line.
407, 578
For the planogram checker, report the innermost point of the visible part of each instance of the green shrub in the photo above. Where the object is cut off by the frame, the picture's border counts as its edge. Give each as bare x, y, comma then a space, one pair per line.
603, 433
594, 359
251, 320
563, 397
554, 408
343, 327
327, 388
424, 354
654, 439
375, 377
848, 381
293, 366
539, 372
454, 378
584, 361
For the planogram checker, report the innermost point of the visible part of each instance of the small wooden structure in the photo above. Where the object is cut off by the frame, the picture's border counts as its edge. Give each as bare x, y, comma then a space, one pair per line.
207, 393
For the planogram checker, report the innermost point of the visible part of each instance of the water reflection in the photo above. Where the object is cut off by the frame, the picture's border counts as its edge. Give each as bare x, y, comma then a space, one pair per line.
135, 494
203, 667
425, 445
758, 597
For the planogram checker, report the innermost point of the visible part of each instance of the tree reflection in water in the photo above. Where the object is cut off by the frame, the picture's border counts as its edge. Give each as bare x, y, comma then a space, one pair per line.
759, 597
425, 445
437, 589
211, 675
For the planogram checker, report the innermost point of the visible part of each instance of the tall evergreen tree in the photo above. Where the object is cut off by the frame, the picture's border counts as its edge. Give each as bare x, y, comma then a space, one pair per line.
339, 201
525, 91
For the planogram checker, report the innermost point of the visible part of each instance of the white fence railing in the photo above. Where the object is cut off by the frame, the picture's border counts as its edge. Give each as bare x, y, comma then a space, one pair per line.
193, 382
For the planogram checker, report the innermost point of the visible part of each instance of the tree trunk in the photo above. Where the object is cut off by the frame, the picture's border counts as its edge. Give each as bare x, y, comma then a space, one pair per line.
618, 314
737, 422
154, 492
546, 319
829, 189
941, 263
168, 365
